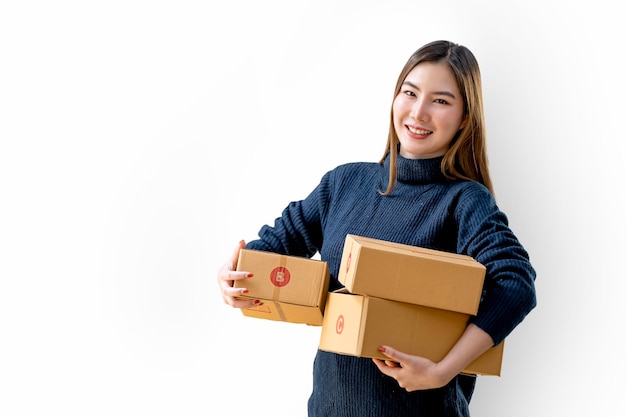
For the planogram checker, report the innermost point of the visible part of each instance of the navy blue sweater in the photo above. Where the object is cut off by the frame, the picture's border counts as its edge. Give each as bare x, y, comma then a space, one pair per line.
424, 209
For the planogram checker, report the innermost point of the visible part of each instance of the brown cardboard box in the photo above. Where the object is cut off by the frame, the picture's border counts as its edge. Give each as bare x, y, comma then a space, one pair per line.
292, 289
411, 274
358, 324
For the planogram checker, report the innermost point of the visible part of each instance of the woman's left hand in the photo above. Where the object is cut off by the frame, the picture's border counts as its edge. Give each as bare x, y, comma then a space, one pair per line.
412, 372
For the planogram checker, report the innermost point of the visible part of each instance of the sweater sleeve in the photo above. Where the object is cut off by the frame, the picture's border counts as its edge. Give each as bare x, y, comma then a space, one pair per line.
509, 288
298, 231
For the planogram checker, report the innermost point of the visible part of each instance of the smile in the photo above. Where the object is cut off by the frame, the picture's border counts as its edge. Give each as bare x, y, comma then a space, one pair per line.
419, 131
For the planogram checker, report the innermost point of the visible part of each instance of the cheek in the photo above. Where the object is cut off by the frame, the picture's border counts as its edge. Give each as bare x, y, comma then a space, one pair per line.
398, 113
453, 121
398, 125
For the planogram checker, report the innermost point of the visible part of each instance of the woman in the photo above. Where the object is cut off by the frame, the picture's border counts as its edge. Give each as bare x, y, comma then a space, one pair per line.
432, 189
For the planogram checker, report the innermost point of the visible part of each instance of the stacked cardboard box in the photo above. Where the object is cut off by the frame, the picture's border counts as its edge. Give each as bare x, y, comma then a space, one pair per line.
416, 300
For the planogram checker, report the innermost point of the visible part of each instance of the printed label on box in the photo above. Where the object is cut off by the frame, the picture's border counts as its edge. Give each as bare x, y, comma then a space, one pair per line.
340, 324
280, 276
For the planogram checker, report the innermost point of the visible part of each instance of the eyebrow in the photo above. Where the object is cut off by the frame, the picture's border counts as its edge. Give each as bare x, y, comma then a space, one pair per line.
439, 93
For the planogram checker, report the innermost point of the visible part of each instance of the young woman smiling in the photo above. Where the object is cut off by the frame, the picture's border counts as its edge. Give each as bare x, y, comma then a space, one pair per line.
431, 188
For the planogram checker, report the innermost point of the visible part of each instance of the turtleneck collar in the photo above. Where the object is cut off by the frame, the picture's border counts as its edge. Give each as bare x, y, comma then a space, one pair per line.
417, 171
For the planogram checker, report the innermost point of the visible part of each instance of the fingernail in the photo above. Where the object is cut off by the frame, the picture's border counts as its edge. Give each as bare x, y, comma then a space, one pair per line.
381, 348
244, 291
258, 303
249, 275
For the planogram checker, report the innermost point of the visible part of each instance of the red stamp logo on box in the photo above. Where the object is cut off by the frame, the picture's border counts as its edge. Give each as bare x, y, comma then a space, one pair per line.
339, 325
280, 276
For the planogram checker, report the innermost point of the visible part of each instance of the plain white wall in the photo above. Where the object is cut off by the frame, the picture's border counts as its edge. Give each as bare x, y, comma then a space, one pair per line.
141, 140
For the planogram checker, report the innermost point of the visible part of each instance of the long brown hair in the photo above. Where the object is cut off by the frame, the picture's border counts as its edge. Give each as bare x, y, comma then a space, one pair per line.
467, 156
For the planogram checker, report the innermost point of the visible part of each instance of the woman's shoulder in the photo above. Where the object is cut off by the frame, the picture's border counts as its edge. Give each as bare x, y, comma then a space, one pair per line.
472, 192
469, 186
354, 173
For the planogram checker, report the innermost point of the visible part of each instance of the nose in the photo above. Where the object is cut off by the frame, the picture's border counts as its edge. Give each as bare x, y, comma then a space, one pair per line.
419, 111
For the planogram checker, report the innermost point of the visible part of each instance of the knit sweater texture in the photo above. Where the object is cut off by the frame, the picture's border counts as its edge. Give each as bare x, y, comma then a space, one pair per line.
424, 209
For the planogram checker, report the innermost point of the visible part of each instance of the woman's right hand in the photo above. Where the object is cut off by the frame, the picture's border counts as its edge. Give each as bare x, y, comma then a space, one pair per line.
226, 277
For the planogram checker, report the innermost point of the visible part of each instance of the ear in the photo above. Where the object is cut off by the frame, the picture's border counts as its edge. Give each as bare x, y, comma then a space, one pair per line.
464, 122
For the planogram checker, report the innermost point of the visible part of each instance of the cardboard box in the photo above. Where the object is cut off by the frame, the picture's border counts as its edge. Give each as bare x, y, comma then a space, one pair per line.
358, 324
411, 274
292, 289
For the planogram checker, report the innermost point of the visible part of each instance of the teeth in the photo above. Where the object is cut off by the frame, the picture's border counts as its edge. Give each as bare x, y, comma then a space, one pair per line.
419, 131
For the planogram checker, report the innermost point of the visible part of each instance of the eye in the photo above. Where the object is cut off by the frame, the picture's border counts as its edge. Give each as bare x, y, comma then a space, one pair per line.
409, 93
440, 101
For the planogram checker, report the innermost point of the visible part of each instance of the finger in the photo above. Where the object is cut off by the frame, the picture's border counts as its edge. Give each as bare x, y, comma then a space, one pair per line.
226, 272
393, 354
387, 363
231, 297
234, 292
392, 364
380, 364
242, 303
384, 368
230, 275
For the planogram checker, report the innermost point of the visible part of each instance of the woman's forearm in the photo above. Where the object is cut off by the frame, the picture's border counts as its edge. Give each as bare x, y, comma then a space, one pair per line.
472, 343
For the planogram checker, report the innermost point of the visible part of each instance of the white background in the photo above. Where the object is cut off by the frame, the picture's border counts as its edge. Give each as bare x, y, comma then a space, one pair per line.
140, 140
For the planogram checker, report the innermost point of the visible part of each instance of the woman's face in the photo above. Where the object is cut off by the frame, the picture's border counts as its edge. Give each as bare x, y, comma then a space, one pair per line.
428, 111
